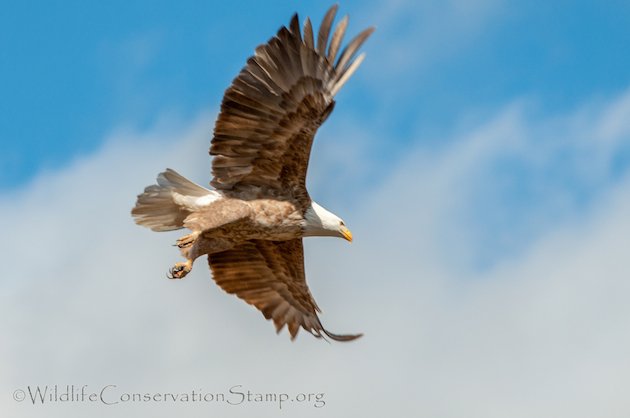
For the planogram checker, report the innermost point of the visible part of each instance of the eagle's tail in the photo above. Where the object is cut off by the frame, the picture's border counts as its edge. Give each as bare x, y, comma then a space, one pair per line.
165, 205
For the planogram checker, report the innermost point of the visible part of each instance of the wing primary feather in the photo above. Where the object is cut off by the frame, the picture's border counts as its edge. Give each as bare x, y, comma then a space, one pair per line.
296, 45
352, 48
308, 34
346, 337
324, 30
294, 327
294, 27
340, 337
347, 73
335, 42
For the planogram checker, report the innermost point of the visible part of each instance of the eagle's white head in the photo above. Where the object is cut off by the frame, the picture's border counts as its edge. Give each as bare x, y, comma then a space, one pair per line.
322, 223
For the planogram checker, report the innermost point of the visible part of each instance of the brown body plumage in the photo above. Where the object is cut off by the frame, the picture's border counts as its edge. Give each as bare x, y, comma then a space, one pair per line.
252, 224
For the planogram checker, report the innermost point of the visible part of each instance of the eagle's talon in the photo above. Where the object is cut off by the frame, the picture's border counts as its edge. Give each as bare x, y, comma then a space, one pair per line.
179, 270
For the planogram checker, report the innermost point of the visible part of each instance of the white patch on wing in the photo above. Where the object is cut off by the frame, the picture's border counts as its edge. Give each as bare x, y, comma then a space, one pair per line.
196, 202
207, 199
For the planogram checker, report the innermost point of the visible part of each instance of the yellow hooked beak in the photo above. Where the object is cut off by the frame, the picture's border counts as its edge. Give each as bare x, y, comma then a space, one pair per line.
346, 233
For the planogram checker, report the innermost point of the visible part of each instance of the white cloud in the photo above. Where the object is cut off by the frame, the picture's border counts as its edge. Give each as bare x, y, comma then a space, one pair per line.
539, 333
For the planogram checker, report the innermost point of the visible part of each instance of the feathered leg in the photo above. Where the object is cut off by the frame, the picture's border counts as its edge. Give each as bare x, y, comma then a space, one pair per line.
193, 246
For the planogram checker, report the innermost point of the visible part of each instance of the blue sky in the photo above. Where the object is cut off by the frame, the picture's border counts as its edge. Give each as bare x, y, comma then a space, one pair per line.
72, 72
480, 155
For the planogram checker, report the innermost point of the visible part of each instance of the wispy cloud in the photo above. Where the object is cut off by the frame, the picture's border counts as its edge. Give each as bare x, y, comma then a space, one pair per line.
414, 36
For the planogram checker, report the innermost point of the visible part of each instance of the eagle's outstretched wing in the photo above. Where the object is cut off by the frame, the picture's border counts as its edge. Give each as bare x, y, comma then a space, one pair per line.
270, 276
270, 113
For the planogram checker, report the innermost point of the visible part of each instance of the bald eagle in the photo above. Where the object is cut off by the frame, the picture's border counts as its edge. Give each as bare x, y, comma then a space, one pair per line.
252, 220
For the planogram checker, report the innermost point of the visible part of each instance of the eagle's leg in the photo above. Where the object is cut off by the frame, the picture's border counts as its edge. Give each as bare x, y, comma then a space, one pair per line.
187, 240
192, 247
185, 244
